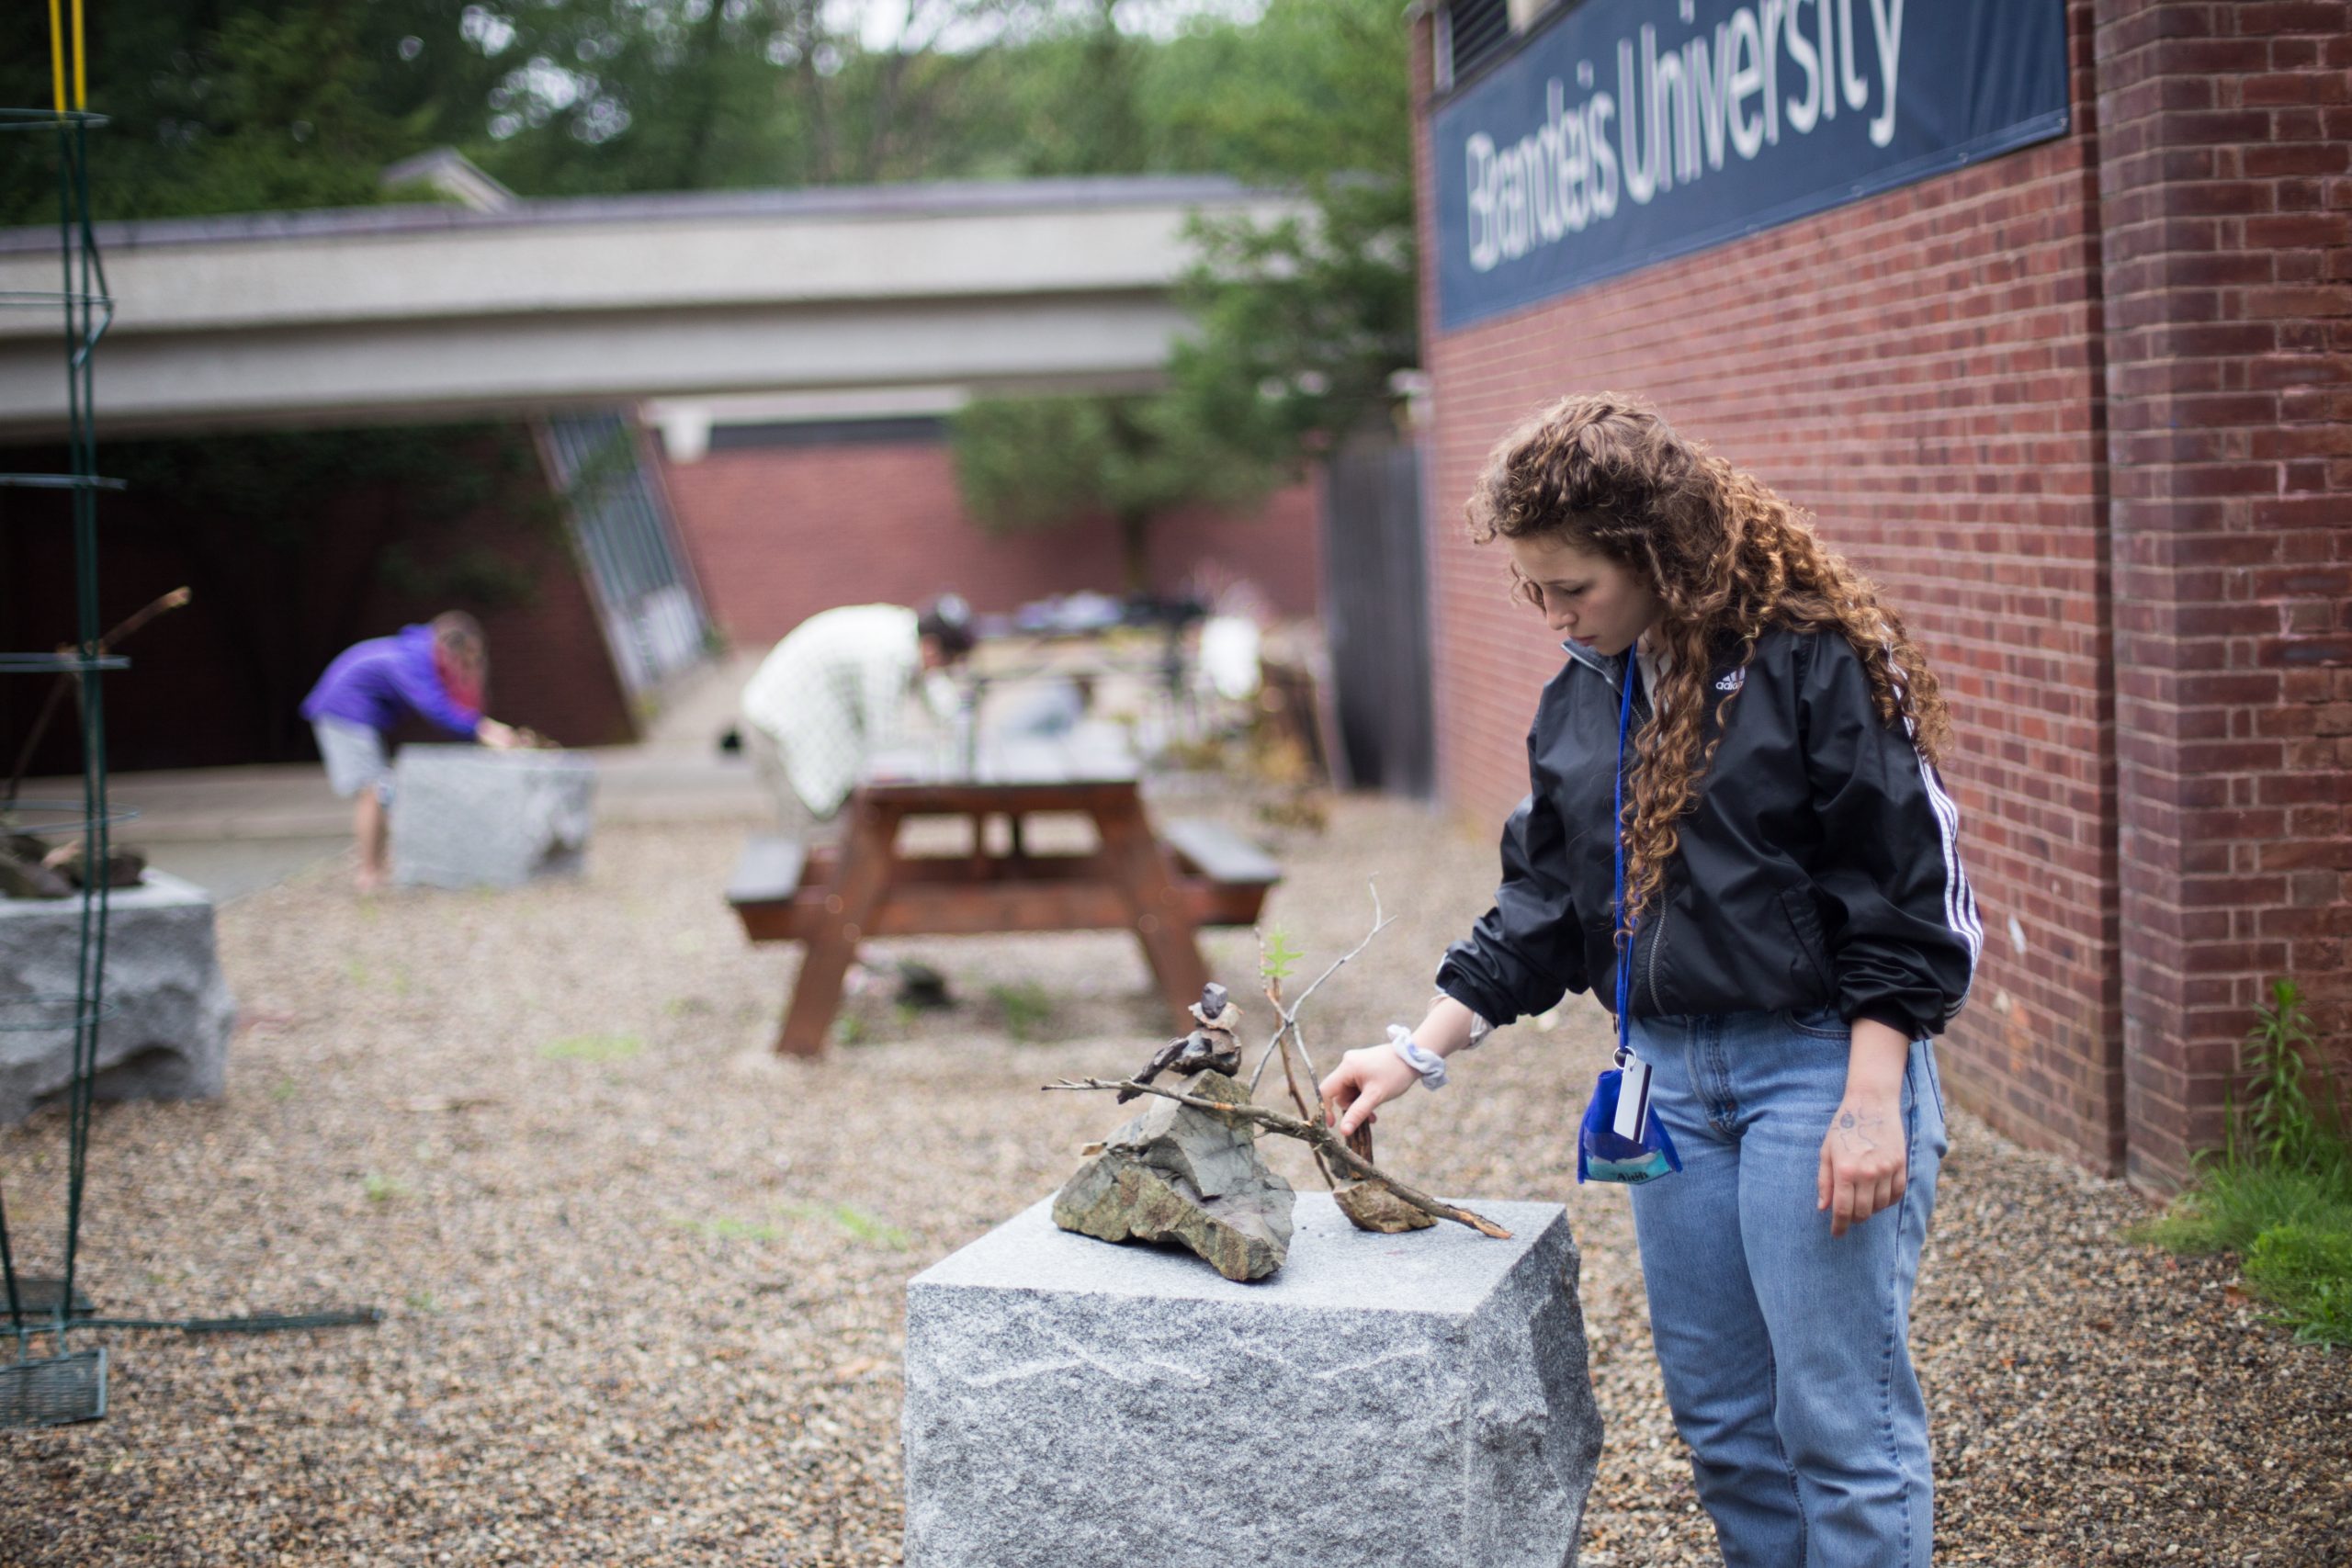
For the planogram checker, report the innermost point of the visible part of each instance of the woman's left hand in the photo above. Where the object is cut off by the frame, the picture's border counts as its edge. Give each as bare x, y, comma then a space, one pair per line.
1862, 1164
1862, 1167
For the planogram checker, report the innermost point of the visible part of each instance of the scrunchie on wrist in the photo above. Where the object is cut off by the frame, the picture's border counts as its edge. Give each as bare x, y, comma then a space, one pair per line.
1427, 1064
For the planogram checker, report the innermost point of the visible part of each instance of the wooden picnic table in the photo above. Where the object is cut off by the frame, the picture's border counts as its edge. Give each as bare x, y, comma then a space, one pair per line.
1162, 885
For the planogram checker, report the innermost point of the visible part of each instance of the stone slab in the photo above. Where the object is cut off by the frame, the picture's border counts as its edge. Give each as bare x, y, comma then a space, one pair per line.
1381, 1400
167, 1037
469, 817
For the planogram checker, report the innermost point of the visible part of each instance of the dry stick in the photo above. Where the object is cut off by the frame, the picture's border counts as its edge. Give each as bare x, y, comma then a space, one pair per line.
1288, 1034
1314, 1133
1274, 997
172, 601
1290, 1014
1298, 1040
72, 679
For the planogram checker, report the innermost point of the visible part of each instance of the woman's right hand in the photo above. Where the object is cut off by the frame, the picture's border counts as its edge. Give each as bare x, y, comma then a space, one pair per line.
1364, 1078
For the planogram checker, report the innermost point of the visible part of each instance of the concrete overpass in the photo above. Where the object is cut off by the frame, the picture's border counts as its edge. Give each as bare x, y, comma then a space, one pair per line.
744, 306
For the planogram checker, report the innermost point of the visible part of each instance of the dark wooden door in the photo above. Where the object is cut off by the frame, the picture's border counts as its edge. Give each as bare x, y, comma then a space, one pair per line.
1376, 614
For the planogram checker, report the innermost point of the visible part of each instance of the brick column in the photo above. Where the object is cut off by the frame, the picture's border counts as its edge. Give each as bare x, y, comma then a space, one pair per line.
2226, 185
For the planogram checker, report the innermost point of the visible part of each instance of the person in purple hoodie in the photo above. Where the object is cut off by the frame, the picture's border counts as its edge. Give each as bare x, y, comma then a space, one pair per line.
434, 671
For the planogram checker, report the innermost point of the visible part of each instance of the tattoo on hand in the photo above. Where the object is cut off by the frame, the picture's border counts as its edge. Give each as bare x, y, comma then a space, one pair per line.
1855, 1131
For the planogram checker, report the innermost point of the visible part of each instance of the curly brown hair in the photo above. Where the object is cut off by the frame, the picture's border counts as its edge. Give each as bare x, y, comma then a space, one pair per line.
1726, 559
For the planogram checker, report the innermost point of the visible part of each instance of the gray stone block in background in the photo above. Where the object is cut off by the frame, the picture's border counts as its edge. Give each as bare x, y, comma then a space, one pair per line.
469, 817
1381, 1400
168, 1035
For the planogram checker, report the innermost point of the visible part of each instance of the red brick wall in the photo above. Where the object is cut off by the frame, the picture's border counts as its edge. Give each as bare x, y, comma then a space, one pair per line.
779, 532
2226, 179
1922, 370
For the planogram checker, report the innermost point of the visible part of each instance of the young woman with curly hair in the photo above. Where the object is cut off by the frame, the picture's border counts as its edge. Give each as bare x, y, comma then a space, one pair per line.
1794, 927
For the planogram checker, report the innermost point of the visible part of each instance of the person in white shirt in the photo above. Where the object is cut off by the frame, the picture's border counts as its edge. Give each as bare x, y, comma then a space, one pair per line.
834, 691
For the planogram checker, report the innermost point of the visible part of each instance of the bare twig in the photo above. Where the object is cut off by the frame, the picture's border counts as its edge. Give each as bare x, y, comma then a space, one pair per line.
71, 680
1380, 922
1314, 1133
1298, 1044
1311, 1113
1290, 1078
172, 601
1289, 1020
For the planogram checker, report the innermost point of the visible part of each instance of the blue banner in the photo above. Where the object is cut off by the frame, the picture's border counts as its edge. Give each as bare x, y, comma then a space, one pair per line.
1625, 132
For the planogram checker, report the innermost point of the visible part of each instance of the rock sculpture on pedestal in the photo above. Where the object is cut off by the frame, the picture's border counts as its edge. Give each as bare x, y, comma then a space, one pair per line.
1212, 1045
1184, 1174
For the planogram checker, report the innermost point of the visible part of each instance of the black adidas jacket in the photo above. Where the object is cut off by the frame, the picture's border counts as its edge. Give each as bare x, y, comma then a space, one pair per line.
1820, 867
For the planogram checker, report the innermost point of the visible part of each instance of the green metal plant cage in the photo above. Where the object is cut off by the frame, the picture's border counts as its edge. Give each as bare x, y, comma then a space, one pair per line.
49, 1381
64, 1385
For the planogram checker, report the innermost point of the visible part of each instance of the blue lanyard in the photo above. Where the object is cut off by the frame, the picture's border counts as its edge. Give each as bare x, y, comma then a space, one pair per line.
1624, 943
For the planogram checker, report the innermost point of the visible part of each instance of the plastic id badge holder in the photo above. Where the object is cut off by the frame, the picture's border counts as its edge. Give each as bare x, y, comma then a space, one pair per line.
1621, 1139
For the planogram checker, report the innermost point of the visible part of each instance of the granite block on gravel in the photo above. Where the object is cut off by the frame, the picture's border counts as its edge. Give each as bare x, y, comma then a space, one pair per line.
166, 1036
467, 817
1382, 1399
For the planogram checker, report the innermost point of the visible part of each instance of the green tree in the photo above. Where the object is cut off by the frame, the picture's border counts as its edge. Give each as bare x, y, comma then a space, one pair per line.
1302, 320
1080, 96
610, 95
1054, 462
218, 106
239, 105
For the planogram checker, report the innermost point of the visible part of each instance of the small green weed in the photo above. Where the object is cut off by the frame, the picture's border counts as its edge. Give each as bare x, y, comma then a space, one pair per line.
1026, 1006
856, 1221
853, 1221
381, 1189
732, 1228
2233, 1204
2278, 1191
592, 1048
284, 1089
1276, 957
2307, 1273
2284, 1123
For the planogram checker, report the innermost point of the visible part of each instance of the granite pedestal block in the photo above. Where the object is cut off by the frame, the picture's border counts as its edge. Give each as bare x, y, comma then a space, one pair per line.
167, 1036
1381, 1400
469, 817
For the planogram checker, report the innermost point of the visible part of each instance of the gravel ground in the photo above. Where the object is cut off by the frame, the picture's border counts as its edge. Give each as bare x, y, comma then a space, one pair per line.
643, 1280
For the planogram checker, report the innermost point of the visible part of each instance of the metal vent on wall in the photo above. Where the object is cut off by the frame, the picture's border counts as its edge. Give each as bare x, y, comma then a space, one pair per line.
1476, 32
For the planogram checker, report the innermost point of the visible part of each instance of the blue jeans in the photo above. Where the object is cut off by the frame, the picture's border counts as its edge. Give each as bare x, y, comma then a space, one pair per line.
1785, 1351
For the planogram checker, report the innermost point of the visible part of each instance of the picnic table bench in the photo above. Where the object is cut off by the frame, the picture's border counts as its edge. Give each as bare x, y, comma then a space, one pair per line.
1162, 886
